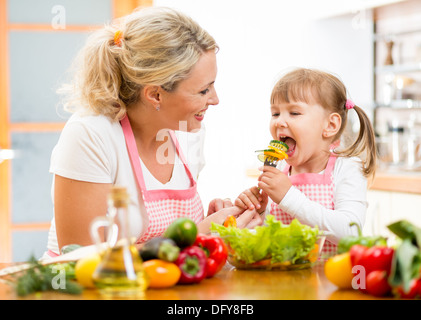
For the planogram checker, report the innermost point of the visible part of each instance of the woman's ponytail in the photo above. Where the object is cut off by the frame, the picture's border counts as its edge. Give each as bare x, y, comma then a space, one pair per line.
98, 78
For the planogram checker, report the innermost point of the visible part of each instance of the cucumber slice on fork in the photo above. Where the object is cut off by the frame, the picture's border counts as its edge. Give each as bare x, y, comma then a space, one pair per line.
279, 145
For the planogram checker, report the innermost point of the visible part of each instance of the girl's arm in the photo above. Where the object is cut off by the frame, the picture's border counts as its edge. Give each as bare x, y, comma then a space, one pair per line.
350, 203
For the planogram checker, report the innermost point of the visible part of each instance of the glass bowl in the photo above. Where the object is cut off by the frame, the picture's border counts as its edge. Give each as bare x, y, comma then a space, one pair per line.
266, 263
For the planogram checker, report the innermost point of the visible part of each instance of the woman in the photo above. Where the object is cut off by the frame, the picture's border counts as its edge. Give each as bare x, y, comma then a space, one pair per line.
136, 84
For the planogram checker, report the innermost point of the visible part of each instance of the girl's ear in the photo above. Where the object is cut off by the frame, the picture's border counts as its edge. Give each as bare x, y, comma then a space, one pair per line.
333, 125
152, 95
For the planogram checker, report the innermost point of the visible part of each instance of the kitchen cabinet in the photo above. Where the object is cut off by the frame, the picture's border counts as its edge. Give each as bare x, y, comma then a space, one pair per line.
397, 84
386, 207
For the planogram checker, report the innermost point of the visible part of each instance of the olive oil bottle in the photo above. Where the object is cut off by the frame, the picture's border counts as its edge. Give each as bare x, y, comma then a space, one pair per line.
120, 273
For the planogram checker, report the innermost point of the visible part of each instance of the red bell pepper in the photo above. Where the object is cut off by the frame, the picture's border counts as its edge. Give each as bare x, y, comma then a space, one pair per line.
377, 263
216, 252
356, 252
192, 263
374, 258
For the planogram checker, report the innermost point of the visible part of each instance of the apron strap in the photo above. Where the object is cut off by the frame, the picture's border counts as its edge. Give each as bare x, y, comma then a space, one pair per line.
134, 154
182, 157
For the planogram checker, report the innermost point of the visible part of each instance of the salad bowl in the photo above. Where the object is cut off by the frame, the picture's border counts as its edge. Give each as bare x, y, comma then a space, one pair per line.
267, 263
273, 246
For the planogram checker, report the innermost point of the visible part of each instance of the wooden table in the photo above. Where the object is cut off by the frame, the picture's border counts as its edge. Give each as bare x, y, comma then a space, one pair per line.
228, 284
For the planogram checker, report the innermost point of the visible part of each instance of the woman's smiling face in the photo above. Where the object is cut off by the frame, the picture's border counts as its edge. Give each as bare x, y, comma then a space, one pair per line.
300, 126
185, 107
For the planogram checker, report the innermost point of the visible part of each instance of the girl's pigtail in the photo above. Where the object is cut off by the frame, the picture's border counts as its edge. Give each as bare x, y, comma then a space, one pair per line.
364, 145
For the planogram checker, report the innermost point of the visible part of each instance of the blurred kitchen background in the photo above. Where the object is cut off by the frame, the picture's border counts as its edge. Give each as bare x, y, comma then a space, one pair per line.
374, 46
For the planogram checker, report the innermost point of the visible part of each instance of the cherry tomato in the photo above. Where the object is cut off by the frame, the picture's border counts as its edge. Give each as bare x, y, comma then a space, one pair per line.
161, 274
377, 284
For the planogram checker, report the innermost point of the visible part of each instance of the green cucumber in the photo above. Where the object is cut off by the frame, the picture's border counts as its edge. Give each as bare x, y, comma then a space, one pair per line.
183, 231
279, 144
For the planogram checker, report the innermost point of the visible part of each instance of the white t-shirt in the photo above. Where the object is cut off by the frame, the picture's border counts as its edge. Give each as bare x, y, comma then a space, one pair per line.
349, 197
93, 149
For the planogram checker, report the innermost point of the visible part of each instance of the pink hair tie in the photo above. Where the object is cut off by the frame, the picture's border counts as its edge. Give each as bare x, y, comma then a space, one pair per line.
349, 104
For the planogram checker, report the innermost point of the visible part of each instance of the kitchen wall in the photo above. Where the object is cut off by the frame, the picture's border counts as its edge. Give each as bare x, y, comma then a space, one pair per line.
258, 41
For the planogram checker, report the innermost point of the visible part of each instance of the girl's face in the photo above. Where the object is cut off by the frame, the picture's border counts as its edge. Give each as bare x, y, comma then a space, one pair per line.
301, 126
184, 108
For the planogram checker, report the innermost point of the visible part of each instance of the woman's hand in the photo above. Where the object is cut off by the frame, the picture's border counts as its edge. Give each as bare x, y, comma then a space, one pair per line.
245, 218
249, 219
252, 198
218, 204
274, 183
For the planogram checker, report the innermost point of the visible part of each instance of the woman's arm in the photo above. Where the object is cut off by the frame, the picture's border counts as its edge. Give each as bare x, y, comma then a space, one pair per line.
76, 204
245, 219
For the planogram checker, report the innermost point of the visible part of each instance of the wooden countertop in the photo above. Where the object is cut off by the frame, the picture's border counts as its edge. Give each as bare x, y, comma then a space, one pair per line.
228, 284
397, 181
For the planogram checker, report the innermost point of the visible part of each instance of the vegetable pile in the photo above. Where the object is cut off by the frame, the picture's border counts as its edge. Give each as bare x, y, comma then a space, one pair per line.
271, 244
182, 254
179, 256
372, 267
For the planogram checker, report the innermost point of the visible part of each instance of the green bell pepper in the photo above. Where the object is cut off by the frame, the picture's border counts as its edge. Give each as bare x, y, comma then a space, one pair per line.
368, 241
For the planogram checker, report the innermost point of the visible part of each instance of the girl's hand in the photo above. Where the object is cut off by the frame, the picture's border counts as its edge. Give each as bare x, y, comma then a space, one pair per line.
274, 183
252, 199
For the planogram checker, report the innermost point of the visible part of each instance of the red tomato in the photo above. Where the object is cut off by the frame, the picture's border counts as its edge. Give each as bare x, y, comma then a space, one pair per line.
414, 290
377, 284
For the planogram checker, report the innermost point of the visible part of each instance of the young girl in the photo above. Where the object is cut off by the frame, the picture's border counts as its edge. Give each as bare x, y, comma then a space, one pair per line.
321, 184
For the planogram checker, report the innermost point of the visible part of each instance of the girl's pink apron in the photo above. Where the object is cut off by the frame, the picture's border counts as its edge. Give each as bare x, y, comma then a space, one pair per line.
163, 206
318, 188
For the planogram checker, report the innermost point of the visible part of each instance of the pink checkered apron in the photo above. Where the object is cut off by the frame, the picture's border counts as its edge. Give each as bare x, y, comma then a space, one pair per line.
317, 187
163, 206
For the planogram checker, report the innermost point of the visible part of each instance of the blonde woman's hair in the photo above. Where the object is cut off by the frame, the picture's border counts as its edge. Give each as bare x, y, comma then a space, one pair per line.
308, 85
158, 46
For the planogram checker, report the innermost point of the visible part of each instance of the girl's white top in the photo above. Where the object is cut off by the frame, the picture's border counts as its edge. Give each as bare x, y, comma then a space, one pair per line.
350, 202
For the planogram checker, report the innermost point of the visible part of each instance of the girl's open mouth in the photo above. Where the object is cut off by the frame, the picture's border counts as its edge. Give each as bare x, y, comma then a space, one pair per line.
290, 143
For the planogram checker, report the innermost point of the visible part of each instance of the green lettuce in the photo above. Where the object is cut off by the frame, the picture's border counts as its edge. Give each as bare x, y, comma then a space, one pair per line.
275, 240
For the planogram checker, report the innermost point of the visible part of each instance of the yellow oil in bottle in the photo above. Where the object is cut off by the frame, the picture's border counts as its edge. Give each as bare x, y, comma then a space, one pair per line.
120, 273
